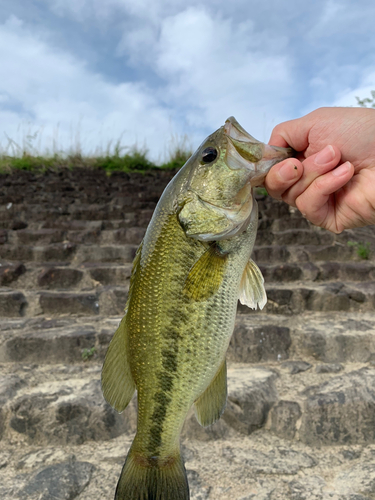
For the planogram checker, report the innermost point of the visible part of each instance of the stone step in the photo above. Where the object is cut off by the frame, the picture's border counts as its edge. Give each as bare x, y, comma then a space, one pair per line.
318, 271
86, 276
312, 337
50, 236
77, 211
270, 434
36, 276
69, 252
295, 298
48, 405
129, 219
283, 299
261, 466
330, 338
295, 236
278, 254
104, 299
93, 234
333, 406
71, 397
120, 246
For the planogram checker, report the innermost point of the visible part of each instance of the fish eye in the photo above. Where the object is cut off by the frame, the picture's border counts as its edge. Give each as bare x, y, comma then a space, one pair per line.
209, 155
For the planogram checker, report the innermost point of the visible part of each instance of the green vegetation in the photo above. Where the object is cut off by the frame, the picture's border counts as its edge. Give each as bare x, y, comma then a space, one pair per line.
88, 353
363, 249
367, 102
261, 191
119, 159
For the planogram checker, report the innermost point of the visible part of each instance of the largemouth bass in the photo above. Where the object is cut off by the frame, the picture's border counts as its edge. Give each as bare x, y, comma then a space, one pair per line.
189, 271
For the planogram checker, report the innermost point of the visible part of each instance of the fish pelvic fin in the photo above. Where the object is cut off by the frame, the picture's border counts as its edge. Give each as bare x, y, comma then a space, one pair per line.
117, 382
152, 478
211, 404
252, 291
206, 276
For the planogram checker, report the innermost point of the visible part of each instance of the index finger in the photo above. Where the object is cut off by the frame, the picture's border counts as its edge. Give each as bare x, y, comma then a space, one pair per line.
294, 133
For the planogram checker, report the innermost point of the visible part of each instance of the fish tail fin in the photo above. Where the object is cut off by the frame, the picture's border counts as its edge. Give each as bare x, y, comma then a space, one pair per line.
153, 478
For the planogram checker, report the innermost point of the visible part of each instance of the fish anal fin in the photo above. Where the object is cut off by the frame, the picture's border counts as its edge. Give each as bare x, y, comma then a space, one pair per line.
211, 404
117, 382
206, 276
252, 291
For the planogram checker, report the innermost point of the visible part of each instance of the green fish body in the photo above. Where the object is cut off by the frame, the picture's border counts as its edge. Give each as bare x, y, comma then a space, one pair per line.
191, 268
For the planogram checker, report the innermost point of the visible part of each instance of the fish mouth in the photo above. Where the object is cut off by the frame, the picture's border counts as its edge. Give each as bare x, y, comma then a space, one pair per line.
246, 152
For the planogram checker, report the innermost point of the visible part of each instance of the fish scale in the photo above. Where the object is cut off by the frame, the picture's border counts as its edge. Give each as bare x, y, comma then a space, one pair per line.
191, 268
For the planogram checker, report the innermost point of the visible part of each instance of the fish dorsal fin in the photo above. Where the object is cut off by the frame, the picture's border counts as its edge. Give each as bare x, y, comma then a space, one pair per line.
252, 291
211, 404
206, 276
117, 382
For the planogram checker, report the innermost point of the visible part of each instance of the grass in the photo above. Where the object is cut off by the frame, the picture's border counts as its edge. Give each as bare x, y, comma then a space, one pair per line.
88, 353
363, 249
134, 161
117, 159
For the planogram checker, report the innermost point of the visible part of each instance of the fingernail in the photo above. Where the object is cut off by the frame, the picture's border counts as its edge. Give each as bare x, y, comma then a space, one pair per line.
288, 171
325, 155
342, 169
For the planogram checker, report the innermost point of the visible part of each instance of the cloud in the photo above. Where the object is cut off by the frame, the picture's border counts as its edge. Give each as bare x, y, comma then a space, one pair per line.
47, 89
347, 97
214, 67
155, 67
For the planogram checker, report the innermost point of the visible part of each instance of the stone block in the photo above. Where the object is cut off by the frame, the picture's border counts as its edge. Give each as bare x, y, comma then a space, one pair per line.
59, 481
284, 418
337, 339
132, 235
91, 237
57, 278
12, 304
10, 273
272, 253
111, 275
340, 411
282, 272
55, 345
39, 236
67, 413
112, 300
3, 236
69, 303
112, 253
253, 344
60, 252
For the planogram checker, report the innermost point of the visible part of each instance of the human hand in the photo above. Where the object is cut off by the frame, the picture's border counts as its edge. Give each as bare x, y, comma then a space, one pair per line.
333, 180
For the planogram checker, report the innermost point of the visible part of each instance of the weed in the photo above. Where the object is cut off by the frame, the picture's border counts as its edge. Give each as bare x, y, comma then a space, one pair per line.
88, 353
133, 161
367, 102
363, 248
262, 191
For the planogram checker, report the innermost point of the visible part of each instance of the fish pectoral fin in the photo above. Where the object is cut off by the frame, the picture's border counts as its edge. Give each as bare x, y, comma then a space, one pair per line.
206, 275
252, 291
211, 404
117, 382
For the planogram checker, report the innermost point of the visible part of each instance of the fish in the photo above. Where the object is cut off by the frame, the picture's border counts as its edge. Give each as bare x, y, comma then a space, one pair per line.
192, 266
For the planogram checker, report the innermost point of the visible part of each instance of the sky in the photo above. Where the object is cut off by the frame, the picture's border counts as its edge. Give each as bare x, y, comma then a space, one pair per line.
85, 75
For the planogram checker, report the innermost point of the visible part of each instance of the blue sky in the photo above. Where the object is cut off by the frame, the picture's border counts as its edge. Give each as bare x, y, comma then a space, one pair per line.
87, 73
